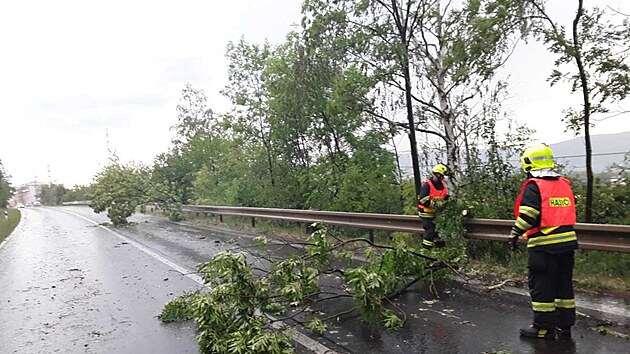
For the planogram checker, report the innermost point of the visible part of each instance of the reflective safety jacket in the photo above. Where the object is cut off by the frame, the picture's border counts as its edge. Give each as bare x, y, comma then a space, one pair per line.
427, 200
550, 218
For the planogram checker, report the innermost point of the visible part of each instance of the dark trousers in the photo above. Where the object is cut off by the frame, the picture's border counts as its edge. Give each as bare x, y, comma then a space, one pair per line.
429, 231
551, 288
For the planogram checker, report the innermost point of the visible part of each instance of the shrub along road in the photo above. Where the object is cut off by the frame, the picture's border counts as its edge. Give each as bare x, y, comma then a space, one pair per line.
70, 285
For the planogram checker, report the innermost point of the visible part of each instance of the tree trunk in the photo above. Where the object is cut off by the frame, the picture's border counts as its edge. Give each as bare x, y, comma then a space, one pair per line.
404, 62
446, 114
399, 169
268, 152
588, 209
412, 132
446, 117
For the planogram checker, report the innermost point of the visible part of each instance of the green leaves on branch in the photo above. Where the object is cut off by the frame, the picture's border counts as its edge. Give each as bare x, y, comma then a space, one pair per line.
229, 315
316, 325
294, 279
179, 309
119, 189
320, 250
450, 220
369, 288
233, 313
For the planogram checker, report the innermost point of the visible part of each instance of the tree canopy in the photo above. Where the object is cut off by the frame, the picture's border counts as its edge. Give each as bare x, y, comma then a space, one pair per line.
6, 191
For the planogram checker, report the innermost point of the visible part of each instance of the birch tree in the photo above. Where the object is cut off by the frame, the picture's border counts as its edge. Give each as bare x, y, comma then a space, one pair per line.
430, 58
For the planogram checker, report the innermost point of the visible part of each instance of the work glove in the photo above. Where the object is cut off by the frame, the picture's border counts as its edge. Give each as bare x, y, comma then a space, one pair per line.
512, 243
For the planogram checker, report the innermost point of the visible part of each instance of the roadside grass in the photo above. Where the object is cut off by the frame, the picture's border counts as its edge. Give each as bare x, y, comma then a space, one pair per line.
595, 271
262, 226
284, 229
598, 270
8, 224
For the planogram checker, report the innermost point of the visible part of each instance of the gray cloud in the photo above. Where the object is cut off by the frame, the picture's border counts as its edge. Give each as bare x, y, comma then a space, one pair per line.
183, 71
73, 104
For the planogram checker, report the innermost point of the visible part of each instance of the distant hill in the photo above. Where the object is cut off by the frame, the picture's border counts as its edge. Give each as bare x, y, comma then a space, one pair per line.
606, 150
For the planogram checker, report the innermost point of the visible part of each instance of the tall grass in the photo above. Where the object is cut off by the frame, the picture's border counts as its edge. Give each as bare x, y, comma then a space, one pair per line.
8, 224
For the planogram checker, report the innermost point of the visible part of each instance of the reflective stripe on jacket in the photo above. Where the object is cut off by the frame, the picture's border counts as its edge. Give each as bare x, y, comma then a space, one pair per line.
557, 209
435, 195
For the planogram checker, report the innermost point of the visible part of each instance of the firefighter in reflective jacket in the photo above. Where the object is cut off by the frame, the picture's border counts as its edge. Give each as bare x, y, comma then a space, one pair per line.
433, 193
545, 216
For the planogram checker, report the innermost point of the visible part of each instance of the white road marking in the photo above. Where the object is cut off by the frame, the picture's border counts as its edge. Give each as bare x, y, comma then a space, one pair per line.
299, 337
6, 240
183, 270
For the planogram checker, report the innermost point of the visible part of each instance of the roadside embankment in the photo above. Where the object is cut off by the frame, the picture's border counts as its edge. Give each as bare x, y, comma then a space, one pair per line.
9, 218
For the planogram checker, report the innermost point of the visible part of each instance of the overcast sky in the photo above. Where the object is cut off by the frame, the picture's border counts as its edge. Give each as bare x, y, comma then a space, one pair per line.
72, 70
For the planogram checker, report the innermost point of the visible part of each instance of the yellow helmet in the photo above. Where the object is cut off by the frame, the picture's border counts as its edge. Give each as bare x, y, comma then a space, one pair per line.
537, 157
440, 168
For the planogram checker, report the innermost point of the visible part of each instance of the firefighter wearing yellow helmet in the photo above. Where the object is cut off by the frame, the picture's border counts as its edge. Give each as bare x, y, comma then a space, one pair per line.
545, 216
433, 193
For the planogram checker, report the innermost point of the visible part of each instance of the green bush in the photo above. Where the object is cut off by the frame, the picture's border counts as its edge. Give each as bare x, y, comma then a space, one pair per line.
120, 189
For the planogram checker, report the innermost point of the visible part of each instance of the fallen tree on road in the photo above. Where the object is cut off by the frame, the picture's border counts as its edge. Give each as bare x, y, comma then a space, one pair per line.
250, 289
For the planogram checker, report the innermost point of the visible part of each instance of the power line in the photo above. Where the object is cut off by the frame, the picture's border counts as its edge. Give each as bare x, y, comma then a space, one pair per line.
599, 154
569, 156
583, 155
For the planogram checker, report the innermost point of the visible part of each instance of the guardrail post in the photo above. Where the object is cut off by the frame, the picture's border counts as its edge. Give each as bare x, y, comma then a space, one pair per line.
612, 238
253, 222
372, 236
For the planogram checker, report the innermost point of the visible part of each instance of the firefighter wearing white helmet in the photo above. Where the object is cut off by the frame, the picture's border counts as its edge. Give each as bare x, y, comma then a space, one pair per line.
545, 215
433, 193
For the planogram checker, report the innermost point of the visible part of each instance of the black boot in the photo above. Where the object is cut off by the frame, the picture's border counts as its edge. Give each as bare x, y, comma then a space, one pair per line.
564, 333
537, 332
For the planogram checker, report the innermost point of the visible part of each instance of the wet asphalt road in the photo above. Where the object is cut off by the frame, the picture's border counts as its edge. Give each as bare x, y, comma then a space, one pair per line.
70, 286
67, 286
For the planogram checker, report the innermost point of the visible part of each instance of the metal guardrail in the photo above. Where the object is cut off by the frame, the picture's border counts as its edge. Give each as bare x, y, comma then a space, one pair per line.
78, 202
614, 238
